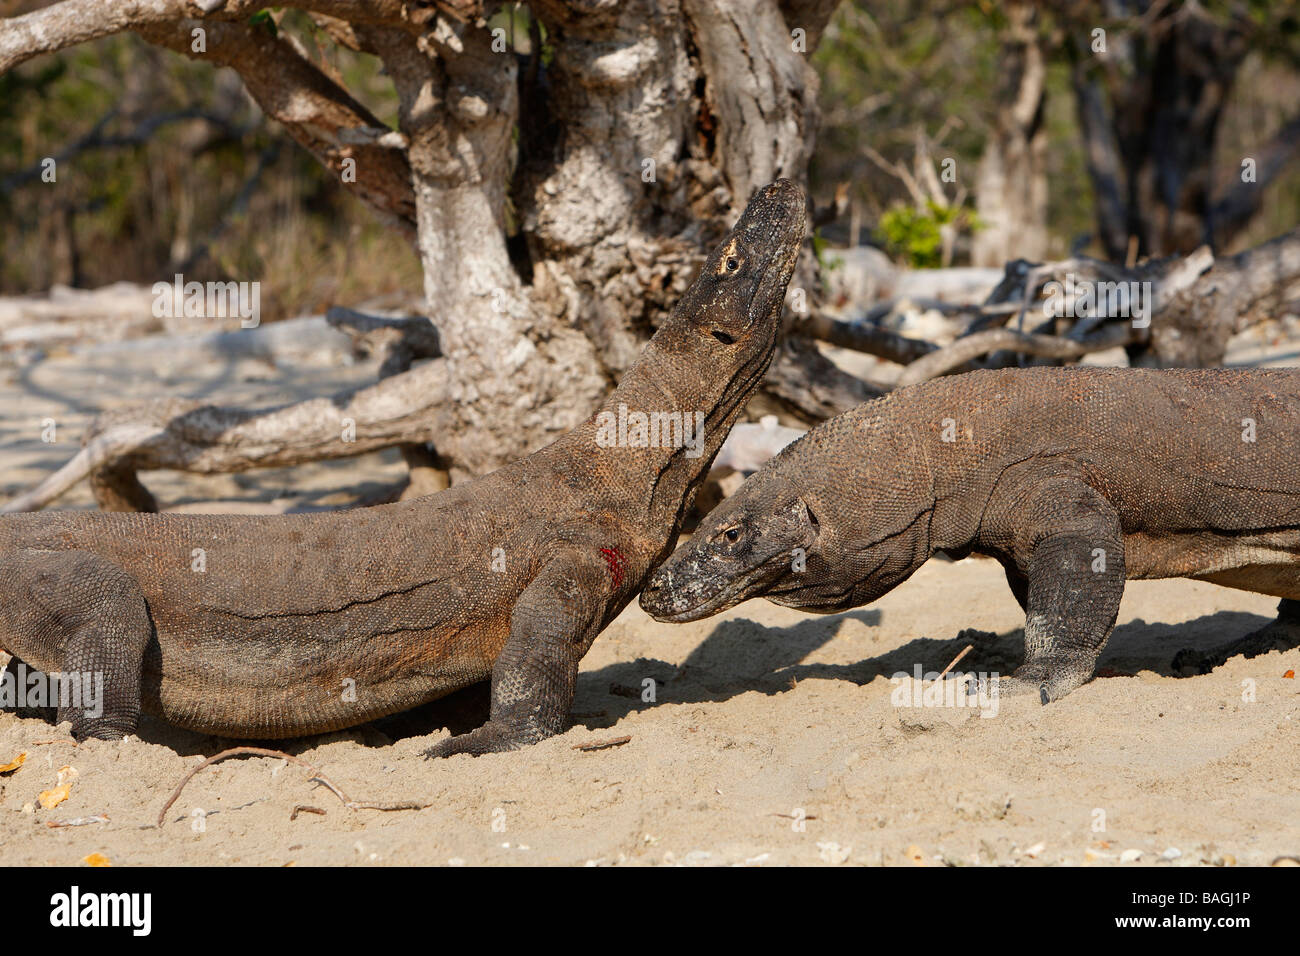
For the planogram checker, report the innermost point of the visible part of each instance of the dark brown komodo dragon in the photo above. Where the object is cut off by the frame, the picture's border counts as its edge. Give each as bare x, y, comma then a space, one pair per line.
1074, 479
301, 624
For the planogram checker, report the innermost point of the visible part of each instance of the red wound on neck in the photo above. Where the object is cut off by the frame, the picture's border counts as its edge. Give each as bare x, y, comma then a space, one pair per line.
617, 564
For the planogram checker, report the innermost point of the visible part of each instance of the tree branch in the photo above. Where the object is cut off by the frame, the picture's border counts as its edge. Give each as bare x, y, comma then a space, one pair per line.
66, 24
811, 385
865, 337
1238, 204
963, 350
321, 117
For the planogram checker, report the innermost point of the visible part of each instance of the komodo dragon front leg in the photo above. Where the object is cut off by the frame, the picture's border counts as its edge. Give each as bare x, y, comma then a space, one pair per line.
83, 616
554, 622
1066, 565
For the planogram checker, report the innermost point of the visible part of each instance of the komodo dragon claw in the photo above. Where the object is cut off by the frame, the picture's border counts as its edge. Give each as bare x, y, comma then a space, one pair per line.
488, 739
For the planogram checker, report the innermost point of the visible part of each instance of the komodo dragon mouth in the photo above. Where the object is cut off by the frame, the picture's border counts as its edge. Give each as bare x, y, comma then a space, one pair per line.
665, 602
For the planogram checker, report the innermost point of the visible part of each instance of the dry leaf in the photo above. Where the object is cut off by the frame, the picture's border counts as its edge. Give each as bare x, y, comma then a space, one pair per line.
1289, 675
49, 799
68, 774
14, 764
96, 859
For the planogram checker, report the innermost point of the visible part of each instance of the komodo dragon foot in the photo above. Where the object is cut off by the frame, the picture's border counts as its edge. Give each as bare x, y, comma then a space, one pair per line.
1279, 635
1047, 678
487, 739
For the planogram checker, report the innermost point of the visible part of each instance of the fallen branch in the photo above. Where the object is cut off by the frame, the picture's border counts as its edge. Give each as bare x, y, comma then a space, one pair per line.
955, 661
78, 821
811, 385
961, 352
1192, 305
185, 435
865, 336
100, 452
316, 777
603, 744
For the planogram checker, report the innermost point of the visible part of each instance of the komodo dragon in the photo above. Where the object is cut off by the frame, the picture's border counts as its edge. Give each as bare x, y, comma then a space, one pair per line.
300, 624
1074, 479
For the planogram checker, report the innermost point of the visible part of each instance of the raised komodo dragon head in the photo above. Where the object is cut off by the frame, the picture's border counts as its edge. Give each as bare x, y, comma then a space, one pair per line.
702, 365
712, 351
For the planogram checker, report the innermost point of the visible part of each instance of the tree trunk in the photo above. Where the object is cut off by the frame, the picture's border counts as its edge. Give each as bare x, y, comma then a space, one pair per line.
1011, 182
1149, 107
637, 146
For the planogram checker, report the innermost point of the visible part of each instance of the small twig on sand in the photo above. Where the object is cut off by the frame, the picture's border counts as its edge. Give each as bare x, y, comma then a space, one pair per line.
78, 821
316, 777
964, 651
603, 744
303, 808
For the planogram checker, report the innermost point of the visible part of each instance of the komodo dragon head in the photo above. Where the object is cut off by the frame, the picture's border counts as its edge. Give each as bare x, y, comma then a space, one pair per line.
700, 368
714, 348
742, 282
788, 535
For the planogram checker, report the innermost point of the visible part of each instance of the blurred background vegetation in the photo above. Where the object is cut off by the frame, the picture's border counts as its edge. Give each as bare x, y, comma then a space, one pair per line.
166, 165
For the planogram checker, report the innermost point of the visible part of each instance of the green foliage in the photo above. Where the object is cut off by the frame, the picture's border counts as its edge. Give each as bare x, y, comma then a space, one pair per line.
820, 246
263, 18
889, 66
914, 235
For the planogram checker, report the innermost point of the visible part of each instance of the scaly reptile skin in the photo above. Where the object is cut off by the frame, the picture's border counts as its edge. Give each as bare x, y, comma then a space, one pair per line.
307, 623
1074, 479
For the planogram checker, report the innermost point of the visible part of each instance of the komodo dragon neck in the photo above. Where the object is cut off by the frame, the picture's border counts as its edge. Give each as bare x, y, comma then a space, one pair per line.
691, 381
704, 403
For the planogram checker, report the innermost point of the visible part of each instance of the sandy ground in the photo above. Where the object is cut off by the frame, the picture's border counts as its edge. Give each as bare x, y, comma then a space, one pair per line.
773, 737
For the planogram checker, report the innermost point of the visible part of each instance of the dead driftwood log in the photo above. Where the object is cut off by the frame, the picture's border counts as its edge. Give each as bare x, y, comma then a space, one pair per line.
400, 410
1174, 312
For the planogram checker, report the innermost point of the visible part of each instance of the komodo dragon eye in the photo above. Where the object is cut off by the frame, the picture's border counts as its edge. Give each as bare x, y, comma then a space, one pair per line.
732, 263
732, 535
